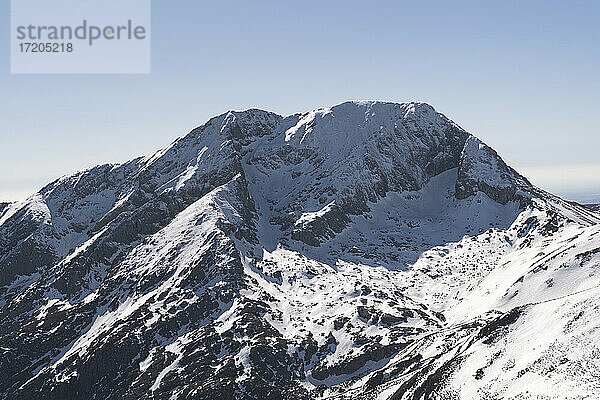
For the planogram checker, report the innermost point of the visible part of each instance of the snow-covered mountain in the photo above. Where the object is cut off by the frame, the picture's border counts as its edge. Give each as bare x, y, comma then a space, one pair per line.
364, 251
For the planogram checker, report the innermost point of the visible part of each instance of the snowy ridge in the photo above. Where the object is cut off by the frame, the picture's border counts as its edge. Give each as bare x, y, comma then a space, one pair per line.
368, 250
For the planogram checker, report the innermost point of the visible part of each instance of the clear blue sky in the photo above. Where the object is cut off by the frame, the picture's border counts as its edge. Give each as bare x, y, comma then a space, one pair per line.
524, 76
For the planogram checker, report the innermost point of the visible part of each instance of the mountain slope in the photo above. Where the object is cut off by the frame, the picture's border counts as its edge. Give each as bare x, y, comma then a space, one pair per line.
368, 250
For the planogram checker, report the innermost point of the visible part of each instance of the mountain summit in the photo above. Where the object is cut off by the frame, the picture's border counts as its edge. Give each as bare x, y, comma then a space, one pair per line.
365, 251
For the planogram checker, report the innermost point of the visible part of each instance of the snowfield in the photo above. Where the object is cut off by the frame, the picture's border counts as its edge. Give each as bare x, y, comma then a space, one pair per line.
365, 251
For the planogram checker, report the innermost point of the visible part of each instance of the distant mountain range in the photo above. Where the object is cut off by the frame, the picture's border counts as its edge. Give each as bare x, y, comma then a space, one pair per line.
595, 207
365, 251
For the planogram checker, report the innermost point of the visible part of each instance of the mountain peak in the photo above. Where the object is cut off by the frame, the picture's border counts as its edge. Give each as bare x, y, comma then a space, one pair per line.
365, 250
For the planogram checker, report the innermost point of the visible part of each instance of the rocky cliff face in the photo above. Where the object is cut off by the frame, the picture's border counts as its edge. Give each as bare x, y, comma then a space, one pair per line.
368, 250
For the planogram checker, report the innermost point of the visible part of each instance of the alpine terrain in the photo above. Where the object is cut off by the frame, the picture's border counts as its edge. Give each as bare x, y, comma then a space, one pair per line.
365, 251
